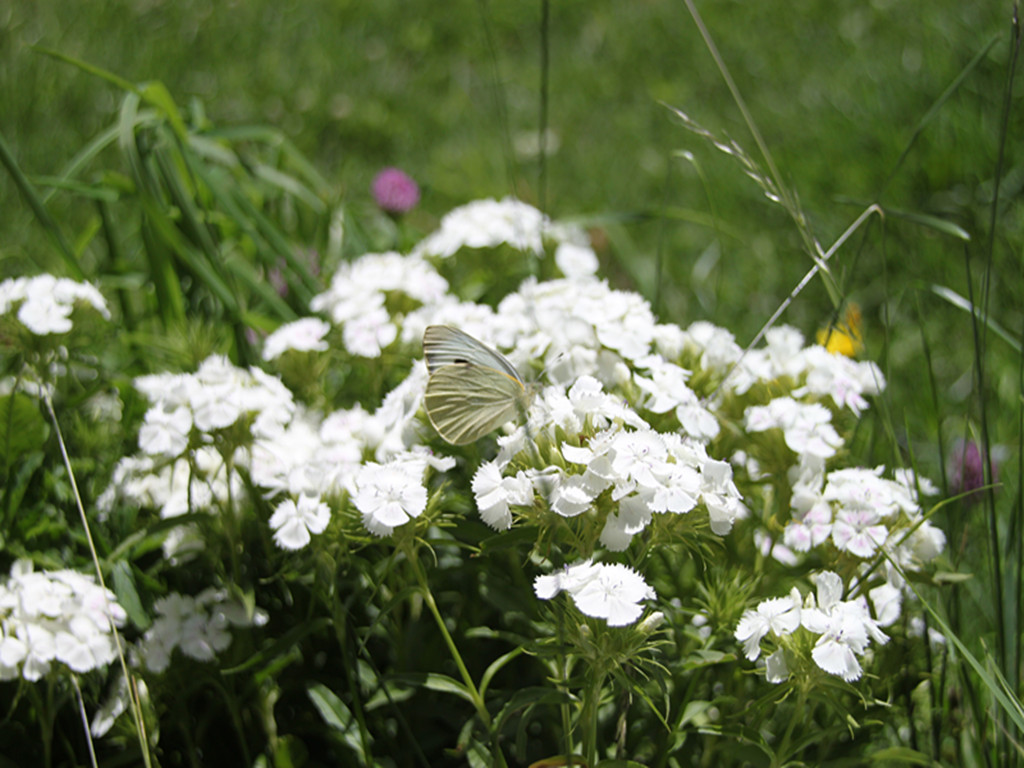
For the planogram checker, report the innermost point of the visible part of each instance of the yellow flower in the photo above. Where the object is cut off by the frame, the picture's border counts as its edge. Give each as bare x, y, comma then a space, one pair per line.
844, 338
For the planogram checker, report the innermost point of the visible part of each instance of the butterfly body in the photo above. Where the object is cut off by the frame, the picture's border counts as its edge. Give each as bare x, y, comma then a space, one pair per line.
472, 389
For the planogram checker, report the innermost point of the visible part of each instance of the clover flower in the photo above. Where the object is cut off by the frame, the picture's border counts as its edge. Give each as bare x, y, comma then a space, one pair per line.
49, 617
967, 470
610, 592
395, 191
45, 303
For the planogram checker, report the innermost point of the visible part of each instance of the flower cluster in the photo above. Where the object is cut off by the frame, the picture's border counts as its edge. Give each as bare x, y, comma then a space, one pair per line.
197, 626
357, 300
192, 407
843, 629
303, 335
54, 616
631, 440
856, 512
486, 224
44, 303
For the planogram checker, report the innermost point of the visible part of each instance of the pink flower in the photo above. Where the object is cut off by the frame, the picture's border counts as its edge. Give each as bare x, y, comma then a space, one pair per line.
967, 470
395, 191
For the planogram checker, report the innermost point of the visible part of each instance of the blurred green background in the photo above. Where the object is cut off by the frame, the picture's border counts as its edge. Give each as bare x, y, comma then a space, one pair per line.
450, 93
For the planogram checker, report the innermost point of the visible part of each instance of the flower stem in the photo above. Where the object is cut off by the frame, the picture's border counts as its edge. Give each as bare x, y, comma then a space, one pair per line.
591, 705
136, 705
467, 680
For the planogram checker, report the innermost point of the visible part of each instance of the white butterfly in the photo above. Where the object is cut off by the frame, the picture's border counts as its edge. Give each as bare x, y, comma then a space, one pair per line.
472, 390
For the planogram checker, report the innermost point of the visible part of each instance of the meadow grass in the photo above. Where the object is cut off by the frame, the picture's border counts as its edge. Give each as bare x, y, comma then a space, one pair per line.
183, 216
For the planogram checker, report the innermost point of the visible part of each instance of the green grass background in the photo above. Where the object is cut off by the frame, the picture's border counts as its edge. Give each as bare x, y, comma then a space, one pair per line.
450, 93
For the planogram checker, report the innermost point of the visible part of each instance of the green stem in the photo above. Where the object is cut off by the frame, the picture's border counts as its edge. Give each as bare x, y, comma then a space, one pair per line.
781, 754
591, 705
467, 680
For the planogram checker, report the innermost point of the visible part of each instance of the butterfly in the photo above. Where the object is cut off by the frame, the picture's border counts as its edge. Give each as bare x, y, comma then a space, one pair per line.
472, 390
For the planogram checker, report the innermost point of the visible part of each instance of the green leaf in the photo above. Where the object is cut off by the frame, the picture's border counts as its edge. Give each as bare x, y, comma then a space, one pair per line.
22, 427
528, 697
960, 302
900, 755
128, 595
38, 206
338, 717
435, 682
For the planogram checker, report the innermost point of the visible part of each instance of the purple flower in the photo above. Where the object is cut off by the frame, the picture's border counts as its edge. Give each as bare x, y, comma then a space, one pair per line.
394, 191
967, 470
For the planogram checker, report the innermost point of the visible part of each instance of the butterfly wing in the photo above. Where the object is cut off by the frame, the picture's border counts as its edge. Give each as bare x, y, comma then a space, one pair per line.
444, 345
465, 401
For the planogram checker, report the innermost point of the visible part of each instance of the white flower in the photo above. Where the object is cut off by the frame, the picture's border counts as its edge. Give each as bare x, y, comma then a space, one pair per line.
610, 592
632, 516
576, 261
887, 600
303, 335
43, 316
811, 523
720, 496
614, 595
678, 489
494, 494
864, 489
637, 456
858, 532
667, 389
806, 427
570, 496
54, 616
294, 523
927, 542
716, 348
485, 224
46, 302
216, 396
361, 285
389, 495
843, 379
845, 628
165, 432
779, 616
369, 333
198, 626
